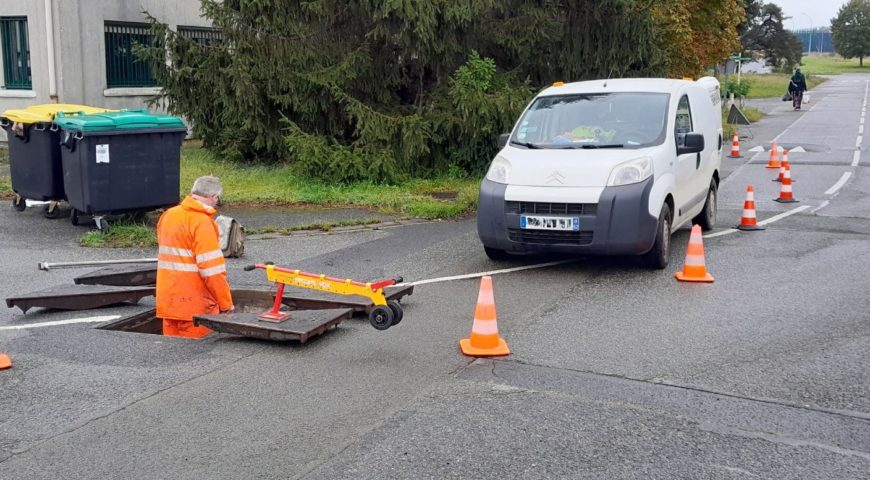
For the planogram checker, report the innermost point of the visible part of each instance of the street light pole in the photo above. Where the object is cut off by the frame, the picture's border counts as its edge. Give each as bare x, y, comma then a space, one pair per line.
812, 30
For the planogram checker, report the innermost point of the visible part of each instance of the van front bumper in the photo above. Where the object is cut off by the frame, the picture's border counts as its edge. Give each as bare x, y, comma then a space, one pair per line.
619, 224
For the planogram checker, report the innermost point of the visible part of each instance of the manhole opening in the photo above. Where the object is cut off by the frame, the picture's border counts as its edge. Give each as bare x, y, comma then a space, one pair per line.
248, 301
145, 322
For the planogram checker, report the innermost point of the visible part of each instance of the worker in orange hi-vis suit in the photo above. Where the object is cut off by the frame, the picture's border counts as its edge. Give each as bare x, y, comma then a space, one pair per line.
191, 273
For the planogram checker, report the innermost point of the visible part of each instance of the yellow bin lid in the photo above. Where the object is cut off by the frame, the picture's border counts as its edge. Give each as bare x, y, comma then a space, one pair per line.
46, 113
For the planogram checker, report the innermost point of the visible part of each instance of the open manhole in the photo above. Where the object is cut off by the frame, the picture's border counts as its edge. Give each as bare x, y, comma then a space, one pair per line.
246, 301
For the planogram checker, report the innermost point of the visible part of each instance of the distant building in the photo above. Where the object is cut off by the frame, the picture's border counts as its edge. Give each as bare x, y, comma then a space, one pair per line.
815, 40
80, 51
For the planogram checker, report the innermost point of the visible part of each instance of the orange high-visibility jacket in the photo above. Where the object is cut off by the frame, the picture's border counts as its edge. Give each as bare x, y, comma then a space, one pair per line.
191, 273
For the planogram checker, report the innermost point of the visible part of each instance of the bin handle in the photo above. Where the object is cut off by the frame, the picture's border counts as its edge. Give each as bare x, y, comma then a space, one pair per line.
69, 140
40, 127
4, 122
54, 127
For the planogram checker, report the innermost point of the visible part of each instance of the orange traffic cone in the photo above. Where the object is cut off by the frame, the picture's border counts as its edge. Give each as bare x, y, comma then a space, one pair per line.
735, 147
749, 220
784, 165
484, 341
774, 156
5, 361
785, 193
695, 270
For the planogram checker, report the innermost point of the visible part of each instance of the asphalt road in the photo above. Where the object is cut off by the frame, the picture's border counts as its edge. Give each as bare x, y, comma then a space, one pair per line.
616, 371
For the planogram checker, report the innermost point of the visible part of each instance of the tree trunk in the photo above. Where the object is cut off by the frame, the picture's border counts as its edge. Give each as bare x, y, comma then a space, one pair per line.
860, 61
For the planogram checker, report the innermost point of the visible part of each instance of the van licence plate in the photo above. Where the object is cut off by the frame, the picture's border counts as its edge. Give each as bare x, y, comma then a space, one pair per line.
537, 222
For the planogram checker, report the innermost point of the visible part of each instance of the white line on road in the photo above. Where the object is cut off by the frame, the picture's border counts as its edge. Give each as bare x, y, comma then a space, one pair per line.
492, 272
842, 181
823, 205
55, 323
782, 215
861, 129
770, 220
860, 141
856, 157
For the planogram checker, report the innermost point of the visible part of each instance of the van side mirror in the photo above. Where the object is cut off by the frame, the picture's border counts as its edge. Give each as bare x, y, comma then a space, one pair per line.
692, 143
503, 140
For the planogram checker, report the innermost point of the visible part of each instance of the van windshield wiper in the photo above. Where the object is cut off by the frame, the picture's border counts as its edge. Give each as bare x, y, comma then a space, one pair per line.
526, 144
594, 146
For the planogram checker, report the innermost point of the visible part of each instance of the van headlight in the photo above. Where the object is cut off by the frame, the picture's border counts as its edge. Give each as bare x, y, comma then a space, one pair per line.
499, 170
633, 171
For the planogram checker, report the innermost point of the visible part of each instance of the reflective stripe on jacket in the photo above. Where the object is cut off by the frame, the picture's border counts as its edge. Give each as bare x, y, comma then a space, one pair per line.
191, 273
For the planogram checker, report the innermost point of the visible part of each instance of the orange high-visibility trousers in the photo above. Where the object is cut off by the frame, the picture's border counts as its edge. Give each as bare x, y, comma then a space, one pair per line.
184, 329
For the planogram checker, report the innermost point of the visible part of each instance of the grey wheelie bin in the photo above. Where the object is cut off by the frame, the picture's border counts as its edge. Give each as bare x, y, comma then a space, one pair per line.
120, 162
34, 153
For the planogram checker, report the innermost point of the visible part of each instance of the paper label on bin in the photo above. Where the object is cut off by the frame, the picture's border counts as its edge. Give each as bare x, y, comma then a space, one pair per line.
103, 153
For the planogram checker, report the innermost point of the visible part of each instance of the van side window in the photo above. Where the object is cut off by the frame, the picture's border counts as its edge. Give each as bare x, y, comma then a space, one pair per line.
683, 125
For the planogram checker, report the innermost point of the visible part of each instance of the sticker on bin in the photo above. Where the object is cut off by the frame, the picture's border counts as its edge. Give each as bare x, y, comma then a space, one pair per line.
103, 153
535, 222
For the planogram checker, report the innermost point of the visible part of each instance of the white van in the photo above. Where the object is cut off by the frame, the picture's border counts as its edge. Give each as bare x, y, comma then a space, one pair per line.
607, 167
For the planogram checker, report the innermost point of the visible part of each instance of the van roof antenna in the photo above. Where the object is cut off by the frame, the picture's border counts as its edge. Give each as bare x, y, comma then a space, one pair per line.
608, 77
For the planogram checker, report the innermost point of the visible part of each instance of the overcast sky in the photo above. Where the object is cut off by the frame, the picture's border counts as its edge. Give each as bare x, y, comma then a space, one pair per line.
809, 13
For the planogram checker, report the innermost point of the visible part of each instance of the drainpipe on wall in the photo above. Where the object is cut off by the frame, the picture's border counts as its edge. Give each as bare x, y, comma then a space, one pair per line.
49, 40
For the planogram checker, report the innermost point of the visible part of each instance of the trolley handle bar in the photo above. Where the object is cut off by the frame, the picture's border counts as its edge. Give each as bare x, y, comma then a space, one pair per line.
374, 285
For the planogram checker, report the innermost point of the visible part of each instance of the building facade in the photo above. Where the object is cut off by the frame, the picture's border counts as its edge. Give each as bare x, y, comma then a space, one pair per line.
80, 51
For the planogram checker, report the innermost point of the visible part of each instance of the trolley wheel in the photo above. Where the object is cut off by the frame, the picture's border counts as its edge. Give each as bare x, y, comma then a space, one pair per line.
52, 210
19, 203
74, 216
381, 317
397, 311
102, 224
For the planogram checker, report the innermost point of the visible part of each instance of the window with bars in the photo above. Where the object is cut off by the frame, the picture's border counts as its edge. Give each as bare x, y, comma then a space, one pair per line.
16, 53
123, 68
202, 35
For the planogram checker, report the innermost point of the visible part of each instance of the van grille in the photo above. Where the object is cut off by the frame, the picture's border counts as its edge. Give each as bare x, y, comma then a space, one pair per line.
548, 237
547, 208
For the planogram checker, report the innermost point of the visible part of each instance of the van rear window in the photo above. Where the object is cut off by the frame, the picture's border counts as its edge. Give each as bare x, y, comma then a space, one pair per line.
603, 120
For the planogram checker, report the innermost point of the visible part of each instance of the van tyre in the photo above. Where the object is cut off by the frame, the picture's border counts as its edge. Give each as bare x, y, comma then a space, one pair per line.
660, 254
707, 218
496, 254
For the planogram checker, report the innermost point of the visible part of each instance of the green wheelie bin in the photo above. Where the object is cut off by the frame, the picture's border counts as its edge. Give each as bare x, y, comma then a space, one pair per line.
120, 162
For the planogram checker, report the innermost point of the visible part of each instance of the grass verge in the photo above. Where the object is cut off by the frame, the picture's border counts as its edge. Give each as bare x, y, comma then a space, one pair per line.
122, 235
832, 65
773, 84
282, 185
322, 226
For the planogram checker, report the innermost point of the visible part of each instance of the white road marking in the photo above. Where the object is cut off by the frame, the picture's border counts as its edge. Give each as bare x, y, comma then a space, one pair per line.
492, 272
823, 205
56, 323
861, 129
842, 181
856, 157
782, 215
860, 141
759, 148
797, 149
770, 220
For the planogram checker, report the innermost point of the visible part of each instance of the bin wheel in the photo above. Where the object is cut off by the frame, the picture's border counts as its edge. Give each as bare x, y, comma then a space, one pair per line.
74, 216
102, 224
397, 311
381, 317
19, 203
52, 210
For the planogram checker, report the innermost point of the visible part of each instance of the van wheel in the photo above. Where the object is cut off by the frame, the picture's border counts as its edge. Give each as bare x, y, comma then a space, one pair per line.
707, 218
660, 255
496, 254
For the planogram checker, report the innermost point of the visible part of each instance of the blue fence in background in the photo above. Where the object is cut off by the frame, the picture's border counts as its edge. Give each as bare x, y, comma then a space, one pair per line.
816, 40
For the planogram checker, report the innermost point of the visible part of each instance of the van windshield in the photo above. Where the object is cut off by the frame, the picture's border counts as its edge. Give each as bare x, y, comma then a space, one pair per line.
599, 120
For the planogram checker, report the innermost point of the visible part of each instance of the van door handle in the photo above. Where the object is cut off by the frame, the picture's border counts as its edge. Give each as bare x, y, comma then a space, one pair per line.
698, 162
